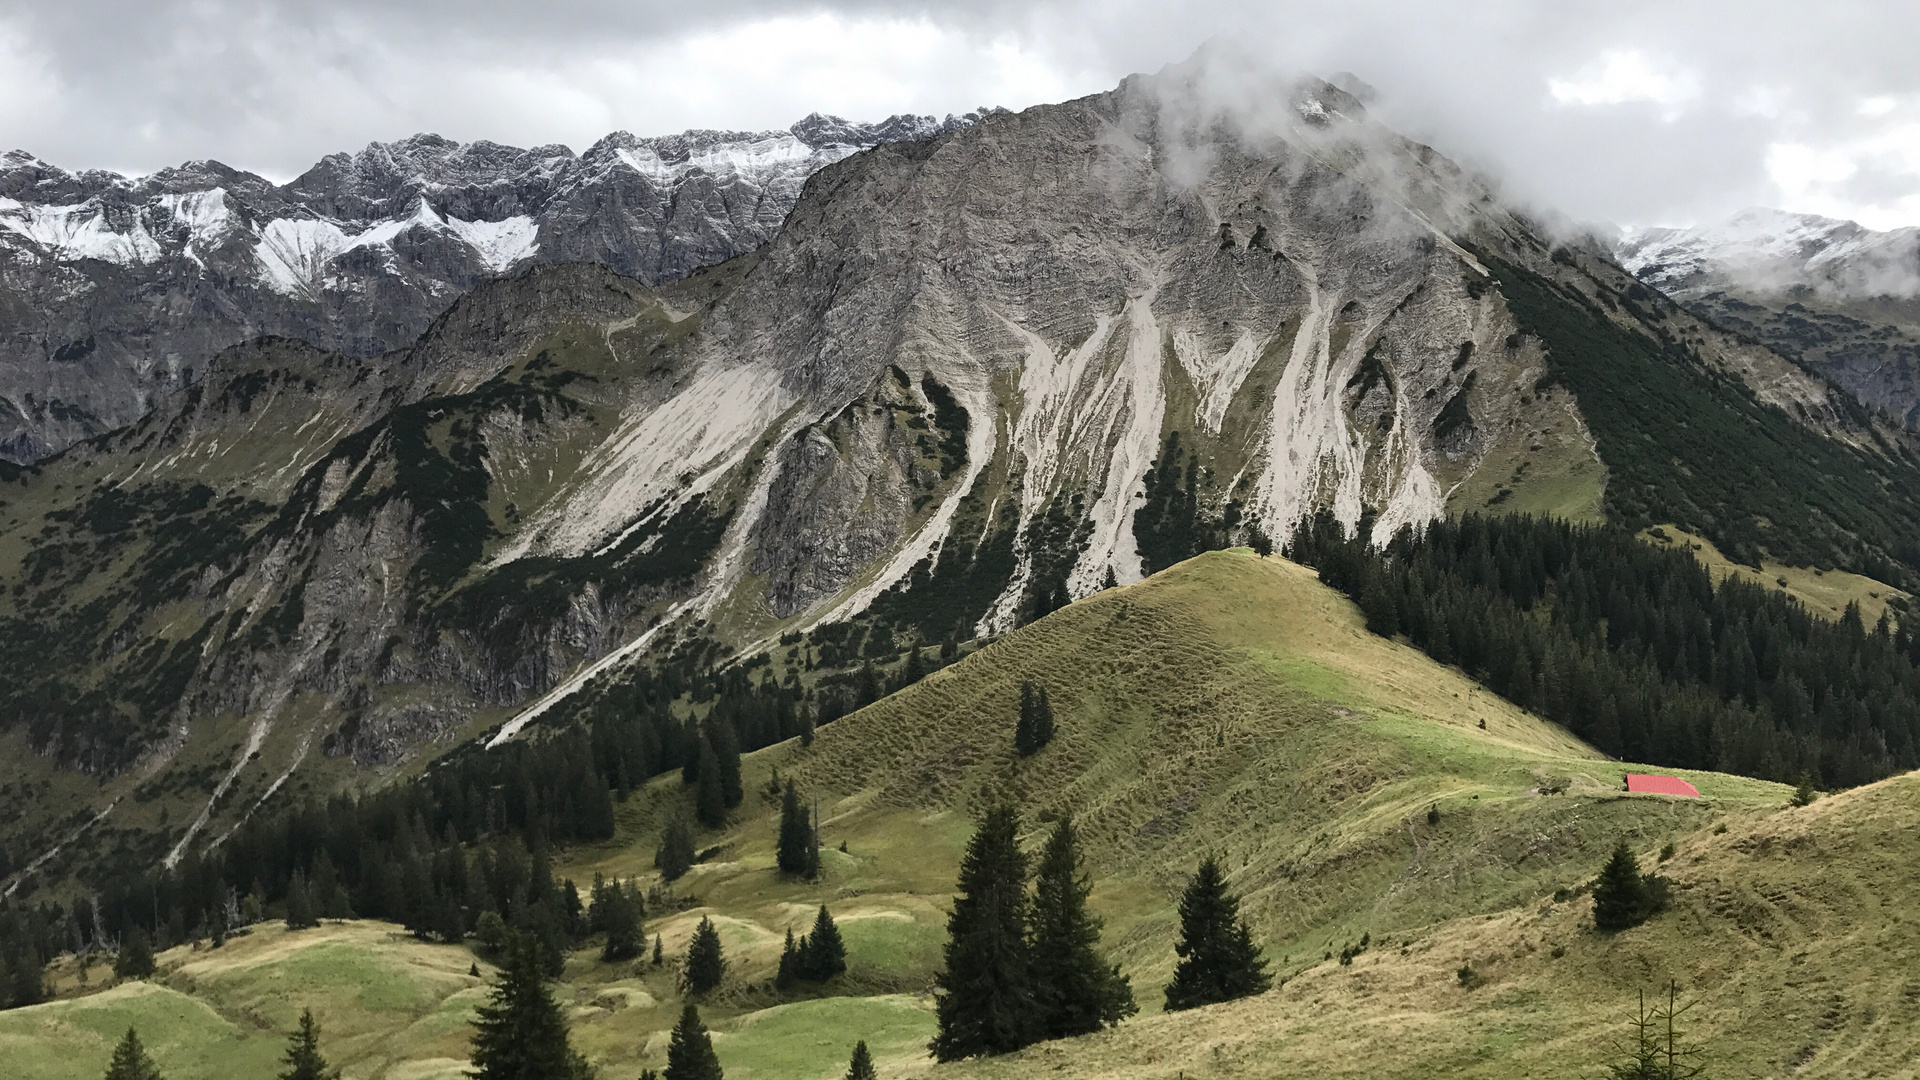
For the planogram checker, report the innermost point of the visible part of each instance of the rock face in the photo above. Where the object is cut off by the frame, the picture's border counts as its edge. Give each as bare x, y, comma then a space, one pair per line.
114, 291
1842, 299
973, 376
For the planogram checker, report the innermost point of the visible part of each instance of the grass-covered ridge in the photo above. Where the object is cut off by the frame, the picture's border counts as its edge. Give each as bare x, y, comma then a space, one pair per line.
1233, 706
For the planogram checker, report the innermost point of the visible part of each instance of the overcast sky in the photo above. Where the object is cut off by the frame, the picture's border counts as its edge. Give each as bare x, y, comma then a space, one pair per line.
1624, 112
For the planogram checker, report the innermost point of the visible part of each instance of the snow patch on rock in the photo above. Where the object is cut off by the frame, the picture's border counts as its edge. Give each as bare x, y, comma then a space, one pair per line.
85, 230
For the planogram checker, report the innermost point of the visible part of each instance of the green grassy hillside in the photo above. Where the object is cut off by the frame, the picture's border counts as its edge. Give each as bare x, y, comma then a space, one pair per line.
1231, 705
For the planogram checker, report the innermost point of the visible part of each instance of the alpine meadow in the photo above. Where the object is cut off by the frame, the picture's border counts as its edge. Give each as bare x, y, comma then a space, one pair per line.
1182, 582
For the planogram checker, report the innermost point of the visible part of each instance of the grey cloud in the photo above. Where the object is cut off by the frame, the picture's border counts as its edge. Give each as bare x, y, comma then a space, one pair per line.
272, 87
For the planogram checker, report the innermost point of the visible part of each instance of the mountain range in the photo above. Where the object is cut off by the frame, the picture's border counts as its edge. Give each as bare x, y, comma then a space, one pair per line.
673, 541
1839, 298
117, 290
973, 377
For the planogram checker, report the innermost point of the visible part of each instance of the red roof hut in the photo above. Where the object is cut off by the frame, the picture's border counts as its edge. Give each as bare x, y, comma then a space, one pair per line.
1661, 785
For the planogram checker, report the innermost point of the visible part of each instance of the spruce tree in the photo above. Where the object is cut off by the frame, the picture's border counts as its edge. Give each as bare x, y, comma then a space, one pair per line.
675, 854
1035, 726
1042, 717
813, 843
520, 1033
796, 834
710, 795
1657, 1054
823, 953
915, 668
130, 1061
303, 1053
690, 1053
726, 750
598, 899
706, 965
861, 1067
1077, 991
300, 910
985, 1004
622, 918
1804, 795
1218, 959
135, 959
1623, 897
789, 971
1025, 739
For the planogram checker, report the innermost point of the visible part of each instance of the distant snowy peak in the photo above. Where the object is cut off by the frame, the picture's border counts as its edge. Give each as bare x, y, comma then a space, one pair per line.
148, 276
1773, 251
491, 198
761, 156
295, 253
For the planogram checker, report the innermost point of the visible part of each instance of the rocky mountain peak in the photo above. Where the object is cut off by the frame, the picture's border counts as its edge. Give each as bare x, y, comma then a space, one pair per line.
128, 285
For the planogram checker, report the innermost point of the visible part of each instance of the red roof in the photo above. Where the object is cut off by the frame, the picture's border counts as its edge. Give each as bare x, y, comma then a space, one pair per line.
1661, 785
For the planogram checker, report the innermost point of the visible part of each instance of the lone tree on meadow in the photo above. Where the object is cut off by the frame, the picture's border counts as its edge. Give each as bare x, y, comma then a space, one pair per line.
130, 1061
706, 965
690, 1054
1804, 795
303, 1053
1076, 989
1623, 897
795, 851
861, 1067
986, 1004
520, 1033
1218, 959
1035, 727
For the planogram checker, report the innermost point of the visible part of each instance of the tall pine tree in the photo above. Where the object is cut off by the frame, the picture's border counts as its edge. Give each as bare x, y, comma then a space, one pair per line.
789, 970
300, 910
1218, 959
675, 854
986, 1004
726, 750
622, 921
690, 1053
520, 1033
710, 794
706, 965
1076, 989
135, 958
796, 834
303, 1053
823, 954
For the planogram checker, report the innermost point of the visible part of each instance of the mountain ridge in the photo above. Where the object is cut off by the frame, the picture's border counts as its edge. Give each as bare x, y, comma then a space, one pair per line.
119, 288
972, 379
1833, 295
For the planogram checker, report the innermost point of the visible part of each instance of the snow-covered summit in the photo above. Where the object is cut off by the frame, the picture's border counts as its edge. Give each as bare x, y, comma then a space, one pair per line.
1769, 251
